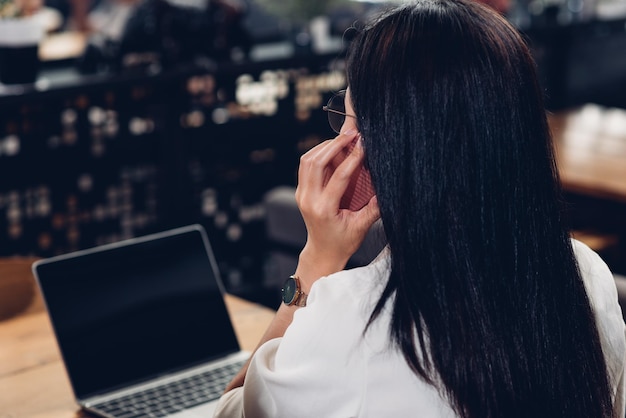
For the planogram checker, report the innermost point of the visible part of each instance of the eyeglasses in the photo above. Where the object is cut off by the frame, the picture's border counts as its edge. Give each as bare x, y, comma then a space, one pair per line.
336, 109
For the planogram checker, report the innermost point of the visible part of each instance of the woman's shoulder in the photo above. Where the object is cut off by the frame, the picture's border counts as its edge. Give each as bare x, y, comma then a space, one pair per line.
602, 293
595, 273
599, 284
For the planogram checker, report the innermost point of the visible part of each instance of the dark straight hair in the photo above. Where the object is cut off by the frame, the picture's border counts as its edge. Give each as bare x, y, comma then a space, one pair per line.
487, 300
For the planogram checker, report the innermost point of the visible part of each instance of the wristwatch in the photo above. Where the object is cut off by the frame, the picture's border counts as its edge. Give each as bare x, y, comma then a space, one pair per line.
292, 293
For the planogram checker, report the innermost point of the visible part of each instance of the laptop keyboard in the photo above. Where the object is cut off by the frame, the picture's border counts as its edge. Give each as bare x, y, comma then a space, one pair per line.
172, 397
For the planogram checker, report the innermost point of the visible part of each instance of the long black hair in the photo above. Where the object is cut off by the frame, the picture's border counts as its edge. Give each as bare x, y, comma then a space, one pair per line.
487, 299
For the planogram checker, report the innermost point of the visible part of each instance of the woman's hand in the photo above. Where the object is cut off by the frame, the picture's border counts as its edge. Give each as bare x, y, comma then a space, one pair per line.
334, 234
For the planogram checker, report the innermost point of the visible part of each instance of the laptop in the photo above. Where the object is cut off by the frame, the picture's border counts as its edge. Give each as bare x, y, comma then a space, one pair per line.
142, 326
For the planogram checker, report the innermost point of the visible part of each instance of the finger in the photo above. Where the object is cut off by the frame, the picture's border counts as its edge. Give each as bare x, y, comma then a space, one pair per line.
307, 159
364, 218
371, 211
306, 172
316, 165
323, 155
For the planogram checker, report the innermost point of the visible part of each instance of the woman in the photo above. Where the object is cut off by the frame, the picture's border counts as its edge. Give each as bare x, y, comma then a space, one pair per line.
481, 305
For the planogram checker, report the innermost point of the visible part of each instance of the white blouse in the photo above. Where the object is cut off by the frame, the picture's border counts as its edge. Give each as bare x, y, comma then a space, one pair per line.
324, 366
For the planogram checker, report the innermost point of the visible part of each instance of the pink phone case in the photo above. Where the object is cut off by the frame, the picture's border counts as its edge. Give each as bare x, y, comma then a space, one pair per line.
360, 189
359, 192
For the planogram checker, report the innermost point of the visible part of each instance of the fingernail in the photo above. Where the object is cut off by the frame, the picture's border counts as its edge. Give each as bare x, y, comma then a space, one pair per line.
350, 131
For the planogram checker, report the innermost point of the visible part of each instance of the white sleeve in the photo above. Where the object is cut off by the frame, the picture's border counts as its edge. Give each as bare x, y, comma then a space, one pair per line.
318, 368
230, 404
602, 293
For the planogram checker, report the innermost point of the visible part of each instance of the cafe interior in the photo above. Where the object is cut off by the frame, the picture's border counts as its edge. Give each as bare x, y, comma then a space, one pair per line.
131, 117
124, 118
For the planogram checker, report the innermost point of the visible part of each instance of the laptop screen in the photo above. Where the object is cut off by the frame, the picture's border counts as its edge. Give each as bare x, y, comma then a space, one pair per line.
134, 310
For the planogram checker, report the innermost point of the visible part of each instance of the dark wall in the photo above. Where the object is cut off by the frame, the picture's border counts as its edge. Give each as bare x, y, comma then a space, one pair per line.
98, 159
581, 62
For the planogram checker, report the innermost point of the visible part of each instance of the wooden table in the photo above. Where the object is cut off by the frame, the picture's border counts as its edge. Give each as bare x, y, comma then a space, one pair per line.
591, 151
33, 383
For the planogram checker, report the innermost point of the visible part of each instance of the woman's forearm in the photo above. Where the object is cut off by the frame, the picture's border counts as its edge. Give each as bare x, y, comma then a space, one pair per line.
276, 329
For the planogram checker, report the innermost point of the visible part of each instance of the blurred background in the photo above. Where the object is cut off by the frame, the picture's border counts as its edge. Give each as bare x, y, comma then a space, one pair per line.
120, 118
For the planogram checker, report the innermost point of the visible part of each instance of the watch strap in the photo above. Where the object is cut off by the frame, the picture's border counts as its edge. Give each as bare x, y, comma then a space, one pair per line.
300, 297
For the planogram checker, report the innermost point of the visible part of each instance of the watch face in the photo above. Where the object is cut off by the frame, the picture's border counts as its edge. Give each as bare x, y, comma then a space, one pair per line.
289, 291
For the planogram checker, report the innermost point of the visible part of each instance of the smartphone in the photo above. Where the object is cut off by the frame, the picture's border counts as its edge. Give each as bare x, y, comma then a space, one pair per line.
360, 189
359, 192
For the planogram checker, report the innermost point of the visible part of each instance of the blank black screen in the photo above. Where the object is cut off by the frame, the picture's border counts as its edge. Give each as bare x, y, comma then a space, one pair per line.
136, 310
